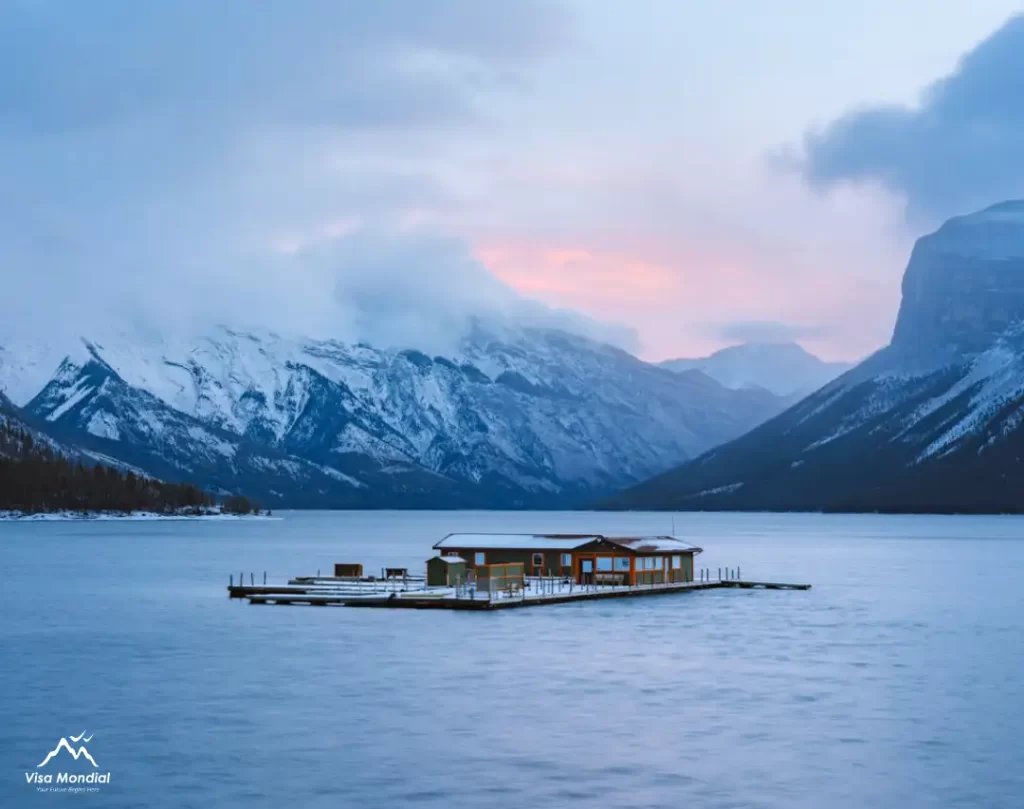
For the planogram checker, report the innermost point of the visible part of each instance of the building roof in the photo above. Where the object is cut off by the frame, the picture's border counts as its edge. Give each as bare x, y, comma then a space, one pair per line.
452, 560
648, 544
565, 542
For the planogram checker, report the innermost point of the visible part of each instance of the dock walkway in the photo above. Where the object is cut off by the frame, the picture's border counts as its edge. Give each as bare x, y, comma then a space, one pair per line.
541, 592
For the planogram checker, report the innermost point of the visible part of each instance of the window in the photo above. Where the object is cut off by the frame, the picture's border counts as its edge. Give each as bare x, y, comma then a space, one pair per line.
566, 560
604, 563
677, 562
622, 564
538, 560
479, 558
650, 563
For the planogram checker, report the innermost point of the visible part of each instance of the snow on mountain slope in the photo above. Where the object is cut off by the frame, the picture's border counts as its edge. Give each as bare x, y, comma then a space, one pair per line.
932, 422
785, 369
513, 417
26, 366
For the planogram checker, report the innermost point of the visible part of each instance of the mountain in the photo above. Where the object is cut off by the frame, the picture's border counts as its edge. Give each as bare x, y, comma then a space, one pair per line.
511, 418
16, 426
932, 422
785, 369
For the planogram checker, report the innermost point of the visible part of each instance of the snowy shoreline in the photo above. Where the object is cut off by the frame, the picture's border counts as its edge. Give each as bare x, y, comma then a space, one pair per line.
60, 516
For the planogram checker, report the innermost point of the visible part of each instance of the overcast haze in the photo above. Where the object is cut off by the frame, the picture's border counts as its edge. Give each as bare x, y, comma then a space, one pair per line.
667, 176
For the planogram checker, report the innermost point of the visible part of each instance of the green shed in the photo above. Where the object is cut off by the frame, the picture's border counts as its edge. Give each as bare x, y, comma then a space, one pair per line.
446, 571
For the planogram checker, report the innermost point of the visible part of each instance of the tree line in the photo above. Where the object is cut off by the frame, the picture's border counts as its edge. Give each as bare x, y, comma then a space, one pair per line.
35, 478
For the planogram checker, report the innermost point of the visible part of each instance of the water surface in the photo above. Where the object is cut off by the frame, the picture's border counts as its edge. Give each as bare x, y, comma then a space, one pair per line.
895, 682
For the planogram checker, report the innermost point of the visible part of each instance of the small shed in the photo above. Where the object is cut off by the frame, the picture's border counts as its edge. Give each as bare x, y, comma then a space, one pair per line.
347, 570
446, 571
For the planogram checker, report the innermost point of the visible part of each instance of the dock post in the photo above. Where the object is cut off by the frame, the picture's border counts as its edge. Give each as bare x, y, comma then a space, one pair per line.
241, 580
252, 579
231, 579
719, 574
264, 578
318, 573
739, 575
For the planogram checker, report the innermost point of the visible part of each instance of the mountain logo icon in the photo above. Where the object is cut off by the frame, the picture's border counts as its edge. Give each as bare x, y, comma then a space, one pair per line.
64, 744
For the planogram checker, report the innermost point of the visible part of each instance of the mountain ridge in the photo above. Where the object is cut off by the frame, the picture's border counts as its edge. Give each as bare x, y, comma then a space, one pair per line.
930, 423
784, 368
510, 418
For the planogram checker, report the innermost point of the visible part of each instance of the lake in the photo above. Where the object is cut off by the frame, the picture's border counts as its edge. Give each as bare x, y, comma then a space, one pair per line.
898, 681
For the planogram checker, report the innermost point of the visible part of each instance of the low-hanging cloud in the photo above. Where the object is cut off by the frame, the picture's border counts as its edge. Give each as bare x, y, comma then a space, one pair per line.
415, 288
961, 148
177, 165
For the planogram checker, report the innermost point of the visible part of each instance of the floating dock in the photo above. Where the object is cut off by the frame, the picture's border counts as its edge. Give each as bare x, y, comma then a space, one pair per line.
398, 594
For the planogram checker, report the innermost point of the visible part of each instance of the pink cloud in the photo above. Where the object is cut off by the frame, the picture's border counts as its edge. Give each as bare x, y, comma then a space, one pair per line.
677, 296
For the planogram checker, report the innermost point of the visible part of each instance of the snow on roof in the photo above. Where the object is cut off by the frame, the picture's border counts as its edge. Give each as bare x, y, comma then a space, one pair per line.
452, 560
665, 544
565, 542
527, 542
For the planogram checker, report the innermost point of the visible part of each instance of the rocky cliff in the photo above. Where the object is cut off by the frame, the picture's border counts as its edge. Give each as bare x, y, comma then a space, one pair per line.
932, 422
964, 285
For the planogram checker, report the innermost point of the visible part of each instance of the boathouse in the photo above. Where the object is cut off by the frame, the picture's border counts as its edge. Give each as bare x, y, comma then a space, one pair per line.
585, 558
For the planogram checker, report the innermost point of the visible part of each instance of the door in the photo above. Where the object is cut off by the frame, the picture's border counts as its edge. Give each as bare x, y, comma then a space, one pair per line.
586, 571
537, 563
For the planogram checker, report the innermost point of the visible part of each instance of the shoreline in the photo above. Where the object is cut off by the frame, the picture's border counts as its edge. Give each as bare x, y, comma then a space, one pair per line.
65, 516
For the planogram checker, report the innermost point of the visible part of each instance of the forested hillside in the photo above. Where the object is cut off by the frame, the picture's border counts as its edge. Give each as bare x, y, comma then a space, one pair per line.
36, 477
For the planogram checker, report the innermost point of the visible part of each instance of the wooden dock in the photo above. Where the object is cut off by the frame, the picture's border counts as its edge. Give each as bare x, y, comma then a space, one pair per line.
330, 594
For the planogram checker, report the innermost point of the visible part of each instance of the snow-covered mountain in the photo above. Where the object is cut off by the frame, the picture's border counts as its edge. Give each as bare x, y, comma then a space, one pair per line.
513, 417
786, 369
932, 422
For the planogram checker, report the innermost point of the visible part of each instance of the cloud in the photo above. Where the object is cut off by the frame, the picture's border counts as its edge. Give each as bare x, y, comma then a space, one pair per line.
960, 149
173, 165
765, 331
416, 288
68, 66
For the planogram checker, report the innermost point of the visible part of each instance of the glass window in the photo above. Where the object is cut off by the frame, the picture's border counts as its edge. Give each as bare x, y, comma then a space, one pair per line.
566, 560
538, 560
622, 563
677, 562
604, 563
479, 558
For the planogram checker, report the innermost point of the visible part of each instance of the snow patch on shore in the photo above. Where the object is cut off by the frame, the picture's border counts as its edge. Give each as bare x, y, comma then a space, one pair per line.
59, 516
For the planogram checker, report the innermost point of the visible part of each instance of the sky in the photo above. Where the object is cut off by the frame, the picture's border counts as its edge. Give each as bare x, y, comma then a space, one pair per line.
672, 177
